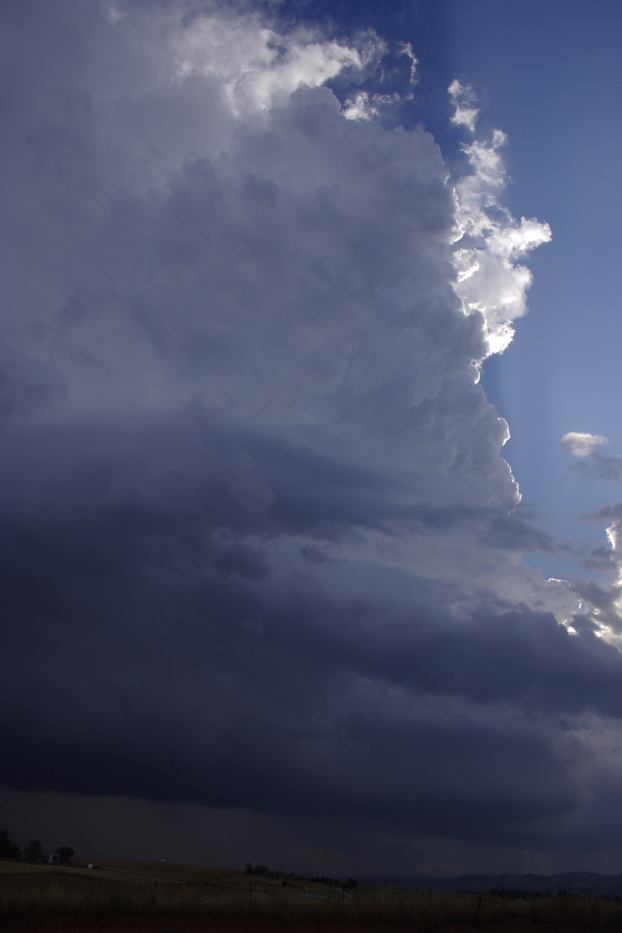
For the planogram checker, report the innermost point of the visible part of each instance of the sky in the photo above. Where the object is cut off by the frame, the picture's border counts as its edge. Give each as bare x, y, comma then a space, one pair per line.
309, 495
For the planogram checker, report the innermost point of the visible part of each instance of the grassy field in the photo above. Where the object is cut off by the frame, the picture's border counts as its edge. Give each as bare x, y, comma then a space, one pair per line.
150, 897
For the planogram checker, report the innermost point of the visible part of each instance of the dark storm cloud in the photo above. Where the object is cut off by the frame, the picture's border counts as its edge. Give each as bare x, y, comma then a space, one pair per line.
259, 545
171, 661
199, 471
25, 385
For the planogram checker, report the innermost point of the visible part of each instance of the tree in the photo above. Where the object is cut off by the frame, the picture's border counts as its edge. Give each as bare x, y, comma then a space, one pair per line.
33, 851
65, 854
8, 849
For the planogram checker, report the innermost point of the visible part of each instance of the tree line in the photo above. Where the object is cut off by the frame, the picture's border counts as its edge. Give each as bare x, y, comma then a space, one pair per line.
33, 852
263, 870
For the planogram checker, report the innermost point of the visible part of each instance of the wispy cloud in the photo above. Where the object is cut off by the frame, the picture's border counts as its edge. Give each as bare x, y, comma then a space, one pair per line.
406, 49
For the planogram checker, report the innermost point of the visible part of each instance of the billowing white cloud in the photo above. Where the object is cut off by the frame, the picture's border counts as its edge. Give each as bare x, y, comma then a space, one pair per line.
255, 66
582, 444
488, 241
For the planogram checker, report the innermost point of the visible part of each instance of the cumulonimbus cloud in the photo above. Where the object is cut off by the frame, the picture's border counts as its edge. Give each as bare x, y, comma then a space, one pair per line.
259, 546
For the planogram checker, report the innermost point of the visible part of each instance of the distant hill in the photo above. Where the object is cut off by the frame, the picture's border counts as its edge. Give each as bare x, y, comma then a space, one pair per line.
571, 882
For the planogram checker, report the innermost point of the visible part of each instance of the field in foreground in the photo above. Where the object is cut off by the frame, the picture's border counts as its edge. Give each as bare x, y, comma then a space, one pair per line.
144, 897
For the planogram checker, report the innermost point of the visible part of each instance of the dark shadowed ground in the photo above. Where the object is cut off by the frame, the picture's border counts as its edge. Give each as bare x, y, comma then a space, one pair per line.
146, 897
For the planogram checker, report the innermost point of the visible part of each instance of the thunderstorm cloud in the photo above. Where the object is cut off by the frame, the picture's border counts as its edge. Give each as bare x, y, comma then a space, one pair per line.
261, 551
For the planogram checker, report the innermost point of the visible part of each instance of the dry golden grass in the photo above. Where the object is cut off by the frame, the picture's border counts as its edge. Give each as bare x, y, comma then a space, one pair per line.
177, 898
164, 872
126, 872
9, 867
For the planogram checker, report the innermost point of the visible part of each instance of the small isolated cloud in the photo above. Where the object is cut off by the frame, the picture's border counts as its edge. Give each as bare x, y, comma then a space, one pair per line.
463, 100
583, 444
